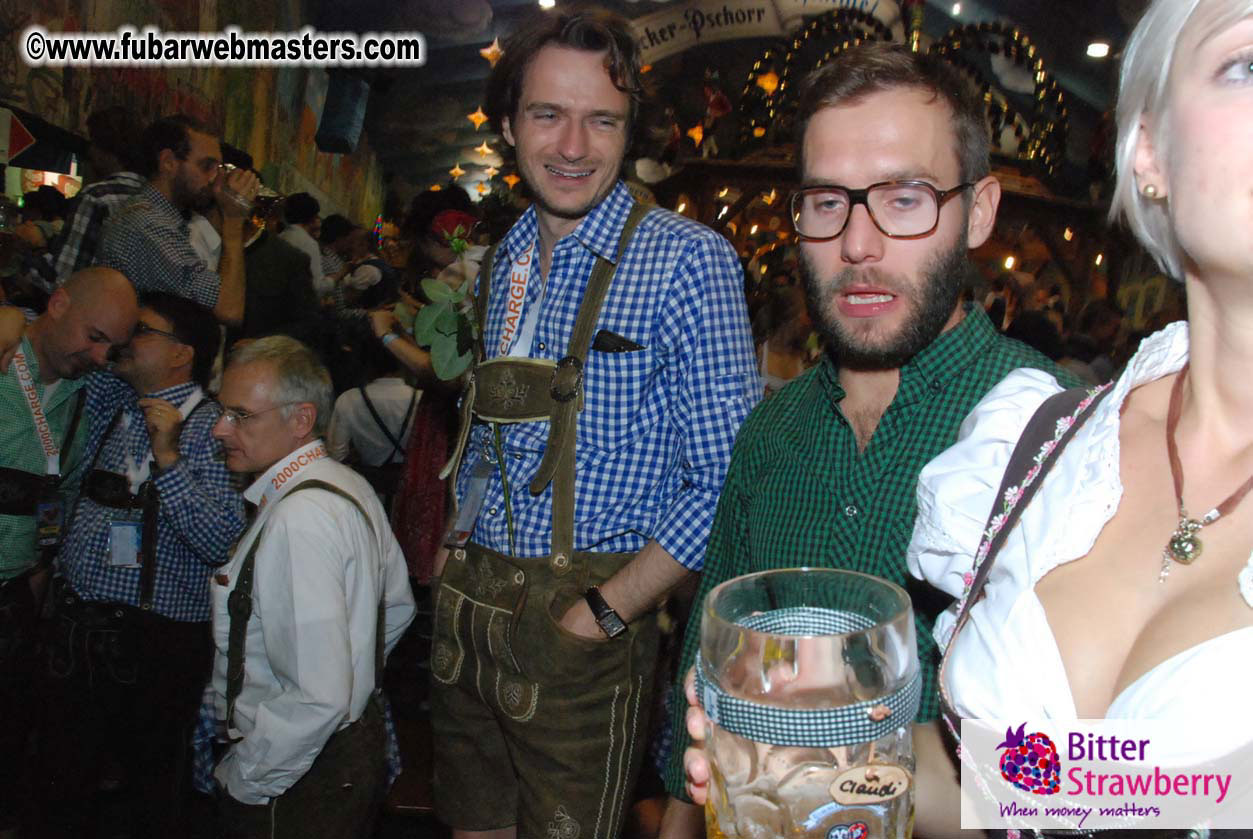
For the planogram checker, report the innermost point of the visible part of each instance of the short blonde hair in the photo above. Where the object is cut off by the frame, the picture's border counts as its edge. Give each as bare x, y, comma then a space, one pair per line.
1147, 64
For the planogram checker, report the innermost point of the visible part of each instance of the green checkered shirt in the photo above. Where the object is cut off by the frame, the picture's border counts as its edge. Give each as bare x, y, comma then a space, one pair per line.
20, 449
798, 493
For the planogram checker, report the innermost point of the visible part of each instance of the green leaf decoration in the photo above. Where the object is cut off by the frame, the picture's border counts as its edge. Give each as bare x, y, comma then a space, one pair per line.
448, 363
447, 321
438, 292
424, 330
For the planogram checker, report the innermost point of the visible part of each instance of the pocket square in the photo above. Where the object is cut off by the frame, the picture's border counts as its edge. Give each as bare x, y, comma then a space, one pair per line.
606, 341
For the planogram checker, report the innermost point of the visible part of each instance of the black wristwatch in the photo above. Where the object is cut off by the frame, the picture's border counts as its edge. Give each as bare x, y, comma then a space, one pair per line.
608, 620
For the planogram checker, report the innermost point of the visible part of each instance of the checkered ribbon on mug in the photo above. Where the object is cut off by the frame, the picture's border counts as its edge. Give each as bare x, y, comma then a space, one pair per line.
848, 725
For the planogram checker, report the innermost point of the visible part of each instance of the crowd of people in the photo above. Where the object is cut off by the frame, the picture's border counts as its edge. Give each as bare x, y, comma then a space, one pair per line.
230, 477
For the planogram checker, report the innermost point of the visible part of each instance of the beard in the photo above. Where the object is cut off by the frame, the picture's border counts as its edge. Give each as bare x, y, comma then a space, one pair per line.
188, 200
932, 299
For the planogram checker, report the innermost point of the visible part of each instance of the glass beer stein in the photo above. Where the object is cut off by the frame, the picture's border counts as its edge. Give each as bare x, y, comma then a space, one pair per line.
810, 680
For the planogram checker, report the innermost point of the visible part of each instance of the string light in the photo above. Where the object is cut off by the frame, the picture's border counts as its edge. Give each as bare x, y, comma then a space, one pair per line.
492, 52
682, 206
1009, 263
1068, 234
478, 118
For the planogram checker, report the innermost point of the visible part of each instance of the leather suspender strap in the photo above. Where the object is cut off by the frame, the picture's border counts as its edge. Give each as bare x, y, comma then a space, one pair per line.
79, 399
397, 447
239, 607
1028, 453
557, 464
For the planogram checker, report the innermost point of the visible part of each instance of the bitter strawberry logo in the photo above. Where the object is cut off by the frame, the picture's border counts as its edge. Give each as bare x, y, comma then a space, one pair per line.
1030, 762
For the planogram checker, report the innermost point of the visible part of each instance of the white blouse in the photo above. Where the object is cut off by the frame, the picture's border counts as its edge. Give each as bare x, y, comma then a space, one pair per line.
1006, 662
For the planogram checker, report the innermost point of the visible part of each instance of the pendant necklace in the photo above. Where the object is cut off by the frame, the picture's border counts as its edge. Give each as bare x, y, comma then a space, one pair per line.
1184, 545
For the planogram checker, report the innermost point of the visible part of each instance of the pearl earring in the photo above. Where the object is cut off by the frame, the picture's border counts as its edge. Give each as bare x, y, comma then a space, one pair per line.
1149, 191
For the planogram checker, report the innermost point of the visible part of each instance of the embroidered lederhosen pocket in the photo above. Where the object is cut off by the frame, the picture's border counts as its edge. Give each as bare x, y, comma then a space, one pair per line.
477, 614
447, 649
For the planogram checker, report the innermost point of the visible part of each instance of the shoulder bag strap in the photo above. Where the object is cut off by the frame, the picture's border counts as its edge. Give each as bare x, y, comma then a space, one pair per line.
1045, 435
239, 606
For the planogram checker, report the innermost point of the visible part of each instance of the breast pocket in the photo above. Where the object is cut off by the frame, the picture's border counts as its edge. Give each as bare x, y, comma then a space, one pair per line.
621, 404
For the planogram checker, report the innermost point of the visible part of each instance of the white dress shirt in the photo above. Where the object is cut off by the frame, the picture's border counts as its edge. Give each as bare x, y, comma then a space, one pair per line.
320, 573
1005, 662
299, 238
205, 240
352, 426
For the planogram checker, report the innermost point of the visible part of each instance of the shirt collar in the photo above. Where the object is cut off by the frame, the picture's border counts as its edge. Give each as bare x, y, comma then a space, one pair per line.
943, 359
598, 231
159, 203
269, 489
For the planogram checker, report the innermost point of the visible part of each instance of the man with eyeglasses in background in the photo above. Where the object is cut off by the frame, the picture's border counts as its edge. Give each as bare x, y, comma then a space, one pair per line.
314, 596
896, 188
148, 239
129, 644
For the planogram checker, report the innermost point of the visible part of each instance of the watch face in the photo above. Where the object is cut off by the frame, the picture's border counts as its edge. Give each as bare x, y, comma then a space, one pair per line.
611, 624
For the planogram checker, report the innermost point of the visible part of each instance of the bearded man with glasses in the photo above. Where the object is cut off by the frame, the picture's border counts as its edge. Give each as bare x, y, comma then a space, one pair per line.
896, 188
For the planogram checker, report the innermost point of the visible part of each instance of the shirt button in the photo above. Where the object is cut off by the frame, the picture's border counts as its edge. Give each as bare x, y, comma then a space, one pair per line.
851, 511
492, 512
542, 345
517, 456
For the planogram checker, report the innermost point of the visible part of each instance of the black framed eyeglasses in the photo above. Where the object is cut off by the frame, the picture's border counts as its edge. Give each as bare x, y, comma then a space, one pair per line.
899, 209
142, 328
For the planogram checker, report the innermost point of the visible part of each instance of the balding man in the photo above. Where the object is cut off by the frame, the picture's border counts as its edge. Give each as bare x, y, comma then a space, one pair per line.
40, 407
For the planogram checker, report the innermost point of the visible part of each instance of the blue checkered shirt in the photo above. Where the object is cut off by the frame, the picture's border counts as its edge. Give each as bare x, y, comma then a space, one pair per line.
654, 437
147, 241
201, 512
95, 203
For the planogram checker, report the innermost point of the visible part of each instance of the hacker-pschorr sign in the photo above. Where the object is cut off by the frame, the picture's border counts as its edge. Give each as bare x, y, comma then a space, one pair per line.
685, 25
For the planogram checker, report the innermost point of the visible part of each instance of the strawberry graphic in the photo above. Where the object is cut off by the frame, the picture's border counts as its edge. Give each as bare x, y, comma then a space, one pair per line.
1030, 762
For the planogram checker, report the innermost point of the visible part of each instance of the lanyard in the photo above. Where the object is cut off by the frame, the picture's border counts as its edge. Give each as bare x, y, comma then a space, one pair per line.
137, 473
515, 338
282, 473
52, 452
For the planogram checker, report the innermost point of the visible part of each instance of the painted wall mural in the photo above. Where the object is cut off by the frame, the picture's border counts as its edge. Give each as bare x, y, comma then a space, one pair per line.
271, 113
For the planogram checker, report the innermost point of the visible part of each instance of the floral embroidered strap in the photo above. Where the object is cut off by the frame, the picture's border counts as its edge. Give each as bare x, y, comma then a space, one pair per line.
1047, 432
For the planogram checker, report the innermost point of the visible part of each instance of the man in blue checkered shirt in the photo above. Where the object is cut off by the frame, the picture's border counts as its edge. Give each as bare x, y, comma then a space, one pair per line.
542, 659
115, 162
147, 239
130, 646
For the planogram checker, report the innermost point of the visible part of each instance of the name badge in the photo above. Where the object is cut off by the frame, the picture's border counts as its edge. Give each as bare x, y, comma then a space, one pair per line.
125, 543
49, 519
463, 527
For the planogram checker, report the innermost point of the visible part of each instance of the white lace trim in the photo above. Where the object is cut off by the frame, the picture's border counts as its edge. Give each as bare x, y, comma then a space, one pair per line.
1245, 580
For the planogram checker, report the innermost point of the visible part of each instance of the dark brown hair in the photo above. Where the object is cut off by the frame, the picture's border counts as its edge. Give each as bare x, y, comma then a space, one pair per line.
173, 133
589, 30
877, 66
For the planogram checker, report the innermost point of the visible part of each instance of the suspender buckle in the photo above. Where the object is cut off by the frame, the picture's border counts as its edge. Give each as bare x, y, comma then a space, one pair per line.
567, 379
